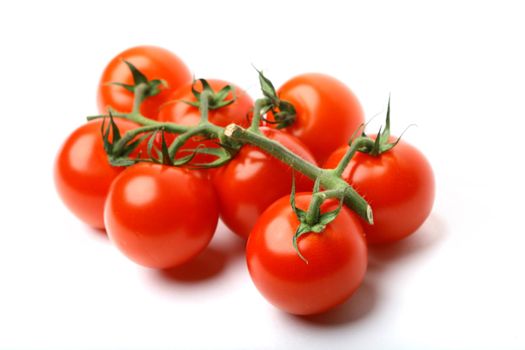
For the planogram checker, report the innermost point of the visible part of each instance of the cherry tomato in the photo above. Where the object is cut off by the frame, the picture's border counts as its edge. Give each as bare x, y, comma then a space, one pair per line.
177, 111
327, 112
253, 180
83, 174
337, 258
161, 216
398, 185
154, 63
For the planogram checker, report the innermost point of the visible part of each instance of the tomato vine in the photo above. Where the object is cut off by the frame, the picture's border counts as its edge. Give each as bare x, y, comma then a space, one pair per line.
233, 136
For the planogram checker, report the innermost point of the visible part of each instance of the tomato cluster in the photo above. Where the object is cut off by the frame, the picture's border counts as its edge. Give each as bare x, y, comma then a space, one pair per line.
305, 253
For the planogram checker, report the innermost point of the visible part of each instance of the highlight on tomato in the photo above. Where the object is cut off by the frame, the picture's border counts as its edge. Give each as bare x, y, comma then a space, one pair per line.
83, 174
161, 216
336, 258
253, 180
160, 69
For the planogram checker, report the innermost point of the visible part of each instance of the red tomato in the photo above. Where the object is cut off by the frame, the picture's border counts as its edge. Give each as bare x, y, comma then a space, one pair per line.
398, 185
327, 112
176, 111
337, 258
83, 174
253, 180
154, 63
161, 216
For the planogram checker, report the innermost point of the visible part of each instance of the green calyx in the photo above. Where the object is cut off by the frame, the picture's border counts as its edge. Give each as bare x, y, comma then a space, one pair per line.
382, 142
162, 155
216, 99
222, 156
117, 148
313, 221
120, 149
151, 87
284, 113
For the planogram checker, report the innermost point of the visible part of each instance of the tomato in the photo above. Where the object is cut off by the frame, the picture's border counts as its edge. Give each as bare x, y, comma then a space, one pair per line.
83, 174
327, 112
398, 185
161, 216
176, 111
154, 63
337, 258
253, 180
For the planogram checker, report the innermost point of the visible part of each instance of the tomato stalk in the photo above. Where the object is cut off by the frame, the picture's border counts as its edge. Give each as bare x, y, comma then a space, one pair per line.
318, 198
204, 105
328, 179
139, 97
259, 108
141, 92
312, 221
203, 128
358, 144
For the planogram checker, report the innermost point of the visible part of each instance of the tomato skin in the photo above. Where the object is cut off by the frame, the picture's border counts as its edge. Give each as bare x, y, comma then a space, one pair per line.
337, 258
253, 180
155, 63
161, 216
327, 112
83, 174
399, 186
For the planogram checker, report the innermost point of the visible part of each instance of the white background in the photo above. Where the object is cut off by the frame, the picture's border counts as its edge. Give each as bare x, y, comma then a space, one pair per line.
456, 69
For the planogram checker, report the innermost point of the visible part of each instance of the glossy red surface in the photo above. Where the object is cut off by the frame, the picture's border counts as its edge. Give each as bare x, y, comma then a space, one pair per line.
328, 112
83, 174
337, 258
161, 216
398, 184
155, 63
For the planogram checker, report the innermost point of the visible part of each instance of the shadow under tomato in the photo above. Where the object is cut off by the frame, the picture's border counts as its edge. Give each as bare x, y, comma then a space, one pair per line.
98, 233
367, 297
206, 265
359, 306
225, 248
428, 236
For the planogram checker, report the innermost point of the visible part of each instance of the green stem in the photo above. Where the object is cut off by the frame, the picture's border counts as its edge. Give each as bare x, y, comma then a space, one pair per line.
182, 138
131, 134
357, 144
273, 148
312, 216
204, 103
203, 128
137, 118
102, 116
328, 179
256, 118
139, 96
